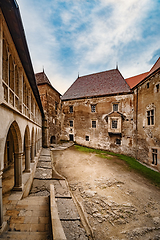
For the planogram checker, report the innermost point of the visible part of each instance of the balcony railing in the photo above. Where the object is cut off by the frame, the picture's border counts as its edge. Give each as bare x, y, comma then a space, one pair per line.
10, 96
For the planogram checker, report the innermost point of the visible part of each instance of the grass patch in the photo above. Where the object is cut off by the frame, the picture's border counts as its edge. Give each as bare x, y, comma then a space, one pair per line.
148, 173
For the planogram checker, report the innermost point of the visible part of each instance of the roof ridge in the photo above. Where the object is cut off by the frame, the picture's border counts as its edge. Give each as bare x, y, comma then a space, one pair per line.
98, 73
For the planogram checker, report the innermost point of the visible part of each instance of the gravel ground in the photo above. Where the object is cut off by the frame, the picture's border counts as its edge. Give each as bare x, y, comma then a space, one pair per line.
118, 203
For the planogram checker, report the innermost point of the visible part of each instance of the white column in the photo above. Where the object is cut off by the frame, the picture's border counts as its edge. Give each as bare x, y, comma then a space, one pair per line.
27, 159
1, 202
18, 171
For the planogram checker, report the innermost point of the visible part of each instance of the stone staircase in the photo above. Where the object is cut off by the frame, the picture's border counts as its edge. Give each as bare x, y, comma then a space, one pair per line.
29, 218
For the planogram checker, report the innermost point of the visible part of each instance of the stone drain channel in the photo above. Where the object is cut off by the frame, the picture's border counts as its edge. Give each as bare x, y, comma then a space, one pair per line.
68, 214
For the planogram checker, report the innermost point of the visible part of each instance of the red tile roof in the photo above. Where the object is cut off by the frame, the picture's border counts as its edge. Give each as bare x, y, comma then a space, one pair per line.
155, 67
97, 84
133, 81
41, 78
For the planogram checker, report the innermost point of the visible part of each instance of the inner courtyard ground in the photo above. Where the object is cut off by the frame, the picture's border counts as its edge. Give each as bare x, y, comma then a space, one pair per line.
118, 202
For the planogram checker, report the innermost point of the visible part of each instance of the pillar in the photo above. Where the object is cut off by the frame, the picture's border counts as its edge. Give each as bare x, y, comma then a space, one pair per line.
17, 171
1, 202
32, 152
27, 159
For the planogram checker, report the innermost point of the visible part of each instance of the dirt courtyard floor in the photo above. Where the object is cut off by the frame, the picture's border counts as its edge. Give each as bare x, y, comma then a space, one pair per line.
119, 203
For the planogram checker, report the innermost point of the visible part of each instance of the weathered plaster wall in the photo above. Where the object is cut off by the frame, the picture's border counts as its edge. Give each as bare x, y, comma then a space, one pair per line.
99, 137
148, 136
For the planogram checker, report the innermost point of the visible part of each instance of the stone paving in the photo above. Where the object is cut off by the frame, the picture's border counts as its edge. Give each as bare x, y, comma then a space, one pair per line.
67, 210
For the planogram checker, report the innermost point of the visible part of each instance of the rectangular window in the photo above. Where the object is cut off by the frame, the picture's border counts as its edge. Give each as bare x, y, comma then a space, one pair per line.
157, 87
154, 156
148, 85
115, 107
150, 117
118, 141
87, 138
71, 123
114, 123
93, 124
71, 109
93, 108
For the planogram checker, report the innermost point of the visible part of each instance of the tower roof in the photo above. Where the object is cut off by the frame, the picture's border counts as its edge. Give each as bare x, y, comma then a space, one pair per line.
41, 78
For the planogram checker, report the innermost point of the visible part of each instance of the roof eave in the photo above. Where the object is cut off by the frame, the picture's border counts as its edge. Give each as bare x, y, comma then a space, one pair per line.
145, 79
12, 17
97, 96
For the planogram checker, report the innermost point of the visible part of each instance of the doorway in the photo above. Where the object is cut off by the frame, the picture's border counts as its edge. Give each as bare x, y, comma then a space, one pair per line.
71, 137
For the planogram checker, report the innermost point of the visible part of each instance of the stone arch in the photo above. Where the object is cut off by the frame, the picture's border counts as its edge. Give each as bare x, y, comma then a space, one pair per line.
27, 149
13, 153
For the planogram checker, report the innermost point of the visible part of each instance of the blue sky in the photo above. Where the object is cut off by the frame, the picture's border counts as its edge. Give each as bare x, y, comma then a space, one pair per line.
87, 36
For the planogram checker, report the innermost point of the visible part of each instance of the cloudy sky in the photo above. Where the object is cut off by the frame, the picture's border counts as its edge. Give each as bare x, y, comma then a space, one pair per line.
68, 37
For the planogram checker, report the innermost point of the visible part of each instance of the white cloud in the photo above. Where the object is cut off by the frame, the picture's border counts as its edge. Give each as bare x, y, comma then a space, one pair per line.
96, 32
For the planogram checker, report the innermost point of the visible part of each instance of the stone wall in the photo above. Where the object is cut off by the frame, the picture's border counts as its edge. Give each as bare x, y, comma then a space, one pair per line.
148, 123
52, 107
94, 129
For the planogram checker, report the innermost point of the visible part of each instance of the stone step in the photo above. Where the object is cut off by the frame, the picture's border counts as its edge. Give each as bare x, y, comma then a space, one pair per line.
61, 189
26, 235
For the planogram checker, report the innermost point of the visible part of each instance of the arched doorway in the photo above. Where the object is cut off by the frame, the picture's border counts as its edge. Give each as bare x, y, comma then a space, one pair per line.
53, 140
27, 149
13, 154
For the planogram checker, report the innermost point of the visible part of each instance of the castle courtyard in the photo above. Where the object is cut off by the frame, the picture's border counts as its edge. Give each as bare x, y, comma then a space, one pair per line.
117, 202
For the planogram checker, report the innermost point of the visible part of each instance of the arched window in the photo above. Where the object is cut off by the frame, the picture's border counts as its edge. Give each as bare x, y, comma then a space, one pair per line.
16, 81
5, 64
11, 73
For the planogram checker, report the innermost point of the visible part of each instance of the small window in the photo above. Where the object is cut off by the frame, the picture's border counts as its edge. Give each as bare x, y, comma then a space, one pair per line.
150, 117
71, 109
157, 87
93, 124
115, 107
87, 138
71, 123
118, 141
154, 156
114, 123
56, 106
148, 85
93, 108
